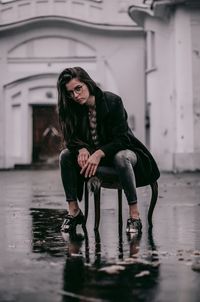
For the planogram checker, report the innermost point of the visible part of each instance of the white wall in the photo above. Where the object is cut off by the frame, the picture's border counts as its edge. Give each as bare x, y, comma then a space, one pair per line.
195, 30
173, 89
160, 93
33, 56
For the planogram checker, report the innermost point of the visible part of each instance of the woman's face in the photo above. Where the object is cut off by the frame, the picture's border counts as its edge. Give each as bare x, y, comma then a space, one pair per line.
78, 91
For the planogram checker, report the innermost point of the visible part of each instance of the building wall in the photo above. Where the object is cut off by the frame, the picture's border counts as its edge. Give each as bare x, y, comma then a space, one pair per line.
195, 30
160, 91
172, 84
34, 50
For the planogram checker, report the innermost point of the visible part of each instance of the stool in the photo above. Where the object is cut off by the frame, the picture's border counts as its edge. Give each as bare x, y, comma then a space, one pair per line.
106, 177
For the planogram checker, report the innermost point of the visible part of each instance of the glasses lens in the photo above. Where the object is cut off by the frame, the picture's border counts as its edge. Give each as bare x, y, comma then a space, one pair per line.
78, 89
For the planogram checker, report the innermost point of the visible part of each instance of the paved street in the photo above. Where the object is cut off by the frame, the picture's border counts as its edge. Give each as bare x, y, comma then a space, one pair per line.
38, 264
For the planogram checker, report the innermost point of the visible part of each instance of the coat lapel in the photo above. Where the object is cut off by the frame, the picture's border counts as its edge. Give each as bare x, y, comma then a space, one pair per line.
101, 106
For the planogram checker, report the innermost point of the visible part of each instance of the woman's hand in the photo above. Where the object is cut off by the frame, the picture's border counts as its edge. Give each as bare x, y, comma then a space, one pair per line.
83, 157
90, 167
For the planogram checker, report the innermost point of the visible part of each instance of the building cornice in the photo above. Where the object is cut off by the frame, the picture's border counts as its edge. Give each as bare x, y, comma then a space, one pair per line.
73, 21
138, 13
89, 13
157, 8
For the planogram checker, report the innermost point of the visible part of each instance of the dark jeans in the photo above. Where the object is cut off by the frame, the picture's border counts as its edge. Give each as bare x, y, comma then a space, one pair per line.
123, 162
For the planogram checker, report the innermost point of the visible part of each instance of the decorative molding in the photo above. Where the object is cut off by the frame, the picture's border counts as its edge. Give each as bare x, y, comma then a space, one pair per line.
27, 49
87, 12
32, 78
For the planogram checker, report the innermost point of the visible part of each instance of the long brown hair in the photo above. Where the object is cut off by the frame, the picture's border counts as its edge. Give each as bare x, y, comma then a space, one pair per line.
69, 111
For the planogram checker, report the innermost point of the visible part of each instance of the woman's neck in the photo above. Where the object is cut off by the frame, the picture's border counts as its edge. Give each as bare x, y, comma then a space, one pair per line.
91, 101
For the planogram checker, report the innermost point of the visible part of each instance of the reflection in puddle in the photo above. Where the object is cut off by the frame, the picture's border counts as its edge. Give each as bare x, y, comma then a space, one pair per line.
88, 275
106, 281
46, 231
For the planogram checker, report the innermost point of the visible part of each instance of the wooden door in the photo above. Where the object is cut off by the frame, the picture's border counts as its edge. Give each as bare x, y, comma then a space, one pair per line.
46, 138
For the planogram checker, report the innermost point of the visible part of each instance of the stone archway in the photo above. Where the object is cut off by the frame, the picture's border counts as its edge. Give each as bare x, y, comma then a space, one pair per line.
20, 98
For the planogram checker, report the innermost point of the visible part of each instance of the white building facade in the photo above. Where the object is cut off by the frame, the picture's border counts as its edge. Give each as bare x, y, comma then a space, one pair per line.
148, 52
172, 79
38, 39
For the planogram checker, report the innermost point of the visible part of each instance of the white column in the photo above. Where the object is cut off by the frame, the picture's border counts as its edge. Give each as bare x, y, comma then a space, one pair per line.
184, 143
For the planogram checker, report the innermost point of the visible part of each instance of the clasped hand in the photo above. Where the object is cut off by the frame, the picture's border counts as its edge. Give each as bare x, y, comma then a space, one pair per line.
89, 163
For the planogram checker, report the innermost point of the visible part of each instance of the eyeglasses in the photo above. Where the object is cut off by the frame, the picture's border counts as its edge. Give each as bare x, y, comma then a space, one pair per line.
77, 90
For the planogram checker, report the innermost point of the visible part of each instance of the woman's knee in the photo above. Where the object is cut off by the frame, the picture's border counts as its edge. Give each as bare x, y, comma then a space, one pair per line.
64, 157
125, 156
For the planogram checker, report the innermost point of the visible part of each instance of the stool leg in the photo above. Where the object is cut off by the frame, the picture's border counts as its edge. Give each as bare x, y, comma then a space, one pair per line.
97, 196
154, 188
120, 224
86, 201
120, 207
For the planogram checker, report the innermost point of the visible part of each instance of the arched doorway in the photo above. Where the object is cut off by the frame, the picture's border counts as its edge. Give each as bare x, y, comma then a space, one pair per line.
31, 120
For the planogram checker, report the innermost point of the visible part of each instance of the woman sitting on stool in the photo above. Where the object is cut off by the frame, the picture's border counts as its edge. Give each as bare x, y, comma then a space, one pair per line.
95, 130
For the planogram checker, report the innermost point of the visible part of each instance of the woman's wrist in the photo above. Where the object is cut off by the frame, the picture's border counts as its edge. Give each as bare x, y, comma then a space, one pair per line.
100, 153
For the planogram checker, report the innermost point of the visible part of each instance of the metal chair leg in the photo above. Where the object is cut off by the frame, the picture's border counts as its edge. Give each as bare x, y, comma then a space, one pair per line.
86, 201
97, 196
120, 224
154, 197
120, 206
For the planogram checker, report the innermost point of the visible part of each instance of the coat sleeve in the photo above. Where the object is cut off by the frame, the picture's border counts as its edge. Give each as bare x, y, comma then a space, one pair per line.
119, 129
80, 138
75, 145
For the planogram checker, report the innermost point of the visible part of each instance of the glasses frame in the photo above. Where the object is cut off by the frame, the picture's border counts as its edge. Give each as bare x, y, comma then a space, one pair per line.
78, 90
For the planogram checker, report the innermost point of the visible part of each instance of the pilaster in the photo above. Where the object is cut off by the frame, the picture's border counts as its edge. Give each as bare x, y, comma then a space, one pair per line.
184, 138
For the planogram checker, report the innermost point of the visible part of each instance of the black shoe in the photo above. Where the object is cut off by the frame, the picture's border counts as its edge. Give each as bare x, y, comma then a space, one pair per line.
134, 226
70, 222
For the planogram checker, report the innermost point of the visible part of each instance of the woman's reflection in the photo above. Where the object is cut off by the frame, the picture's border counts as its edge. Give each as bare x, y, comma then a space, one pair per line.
74, 269
134, 243
84, 278
86, 257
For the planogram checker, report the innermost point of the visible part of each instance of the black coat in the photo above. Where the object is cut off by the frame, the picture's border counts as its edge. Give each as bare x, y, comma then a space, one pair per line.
115, 135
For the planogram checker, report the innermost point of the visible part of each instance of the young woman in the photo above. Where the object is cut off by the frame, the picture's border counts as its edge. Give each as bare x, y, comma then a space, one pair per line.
95, 130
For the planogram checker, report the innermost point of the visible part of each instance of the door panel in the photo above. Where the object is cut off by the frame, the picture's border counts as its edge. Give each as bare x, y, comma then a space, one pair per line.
46, 138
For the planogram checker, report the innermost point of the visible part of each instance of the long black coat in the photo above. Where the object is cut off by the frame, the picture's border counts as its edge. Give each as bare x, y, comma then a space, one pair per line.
115, 135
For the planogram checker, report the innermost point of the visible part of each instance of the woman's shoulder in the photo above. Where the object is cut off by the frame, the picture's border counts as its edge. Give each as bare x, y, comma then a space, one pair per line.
112, 98
107, 95
111, 95
110, 102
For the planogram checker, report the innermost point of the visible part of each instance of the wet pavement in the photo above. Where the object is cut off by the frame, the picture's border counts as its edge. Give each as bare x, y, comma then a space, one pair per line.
37, 263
